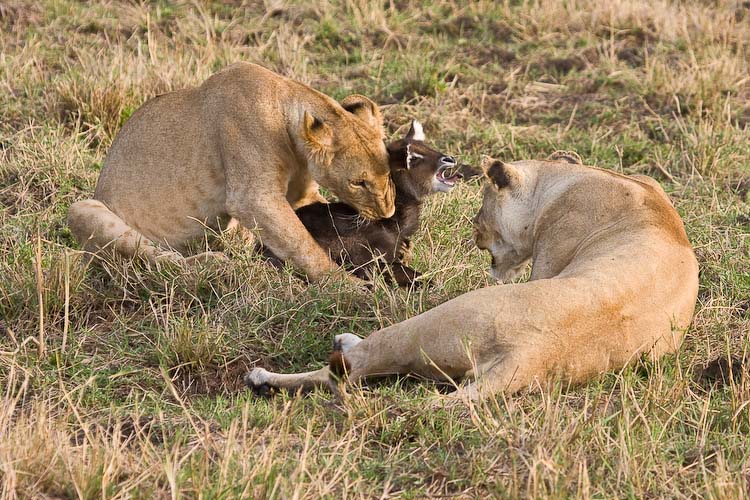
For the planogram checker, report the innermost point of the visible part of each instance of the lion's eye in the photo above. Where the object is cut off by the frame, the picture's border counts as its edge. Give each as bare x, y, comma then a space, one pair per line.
360, 184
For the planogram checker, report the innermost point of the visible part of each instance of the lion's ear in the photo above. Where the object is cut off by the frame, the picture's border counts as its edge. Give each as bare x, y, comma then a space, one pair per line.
364, 109
501, 175
317, 133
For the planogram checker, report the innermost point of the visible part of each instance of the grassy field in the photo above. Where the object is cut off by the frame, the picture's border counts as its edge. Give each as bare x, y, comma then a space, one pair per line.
121, 381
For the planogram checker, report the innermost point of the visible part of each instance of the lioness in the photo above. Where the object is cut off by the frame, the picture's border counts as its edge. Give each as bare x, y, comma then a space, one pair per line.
417, 171
248, 145
613, 276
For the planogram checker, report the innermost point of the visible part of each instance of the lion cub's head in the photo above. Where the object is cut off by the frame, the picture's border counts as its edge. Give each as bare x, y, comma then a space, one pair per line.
349, 157
504, 224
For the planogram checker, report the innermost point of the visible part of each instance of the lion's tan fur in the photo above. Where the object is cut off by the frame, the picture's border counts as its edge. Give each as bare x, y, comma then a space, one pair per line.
613, 277
248, 145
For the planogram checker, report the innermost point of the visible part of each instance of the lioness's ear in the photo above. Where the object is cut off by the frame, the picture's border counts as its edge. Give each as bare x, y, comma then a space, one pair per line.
364, 109
415, 133
317, 133
501, 175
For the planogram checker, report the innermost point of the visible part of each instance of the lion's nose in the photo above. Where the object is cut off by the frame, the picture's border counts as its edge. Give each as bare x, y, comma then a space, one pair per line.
388, 207
387, 210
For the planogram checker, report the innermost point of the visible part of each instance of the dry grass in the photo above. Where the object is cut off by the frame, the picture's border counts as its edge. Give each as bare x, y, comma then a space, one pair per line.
135, 388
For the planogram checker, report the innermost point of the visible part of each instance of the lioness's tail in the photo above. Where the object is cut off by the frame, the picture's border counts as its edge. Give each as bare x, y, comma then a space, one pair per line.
97, 228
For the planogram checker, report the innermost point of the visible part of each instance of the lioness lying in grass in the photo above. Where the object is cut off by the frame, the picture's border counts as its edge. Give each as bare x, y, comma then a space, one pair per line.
613, 277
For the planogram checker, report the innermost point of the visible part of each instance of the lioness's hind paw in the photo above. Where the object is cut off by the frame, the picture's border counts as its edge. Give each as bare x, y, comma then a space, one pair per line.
345, 341
167, 256
257, 381
204, 257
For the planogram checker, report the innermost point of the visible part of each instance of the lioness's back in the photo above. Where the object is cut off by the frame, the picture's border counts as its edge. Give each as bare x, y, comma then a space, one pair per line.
155, 196
601, 195
164, 173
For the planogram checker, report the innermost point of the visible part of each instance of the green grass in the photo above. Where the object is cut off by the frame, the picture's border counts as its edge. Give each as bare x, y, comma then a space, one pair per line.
137, 391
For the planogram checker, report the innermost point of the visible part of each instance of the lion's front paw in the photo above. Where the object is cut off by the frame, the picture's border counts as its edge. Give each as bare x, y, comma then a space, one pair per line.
257, 381
449, 402
204, 257
166, 256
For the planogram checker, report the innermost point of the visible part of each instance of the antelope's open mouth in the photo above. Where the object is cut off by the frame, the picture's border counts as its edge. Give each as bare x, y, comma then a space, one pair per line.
448, 175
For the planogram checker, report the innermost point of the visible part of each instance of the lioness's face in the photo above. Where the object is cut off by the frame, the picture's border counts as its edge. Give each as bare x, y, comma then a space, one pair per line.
502, 226
362, 178
349, 157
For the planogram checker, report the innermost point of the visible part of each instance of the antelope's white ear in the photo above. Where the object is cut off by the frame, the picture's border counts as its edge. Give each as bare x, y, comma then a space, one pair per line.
416, 132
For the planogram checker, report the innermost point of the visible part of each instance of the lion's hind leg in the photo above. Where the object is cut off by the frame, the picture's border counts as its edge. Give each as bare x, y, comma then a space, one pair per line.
96, 228
509, 374
263, 383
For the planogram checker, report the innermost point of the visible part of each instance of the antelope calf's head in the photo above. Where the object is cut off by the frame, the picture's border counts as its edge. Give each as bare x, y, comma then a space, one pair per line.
417, 168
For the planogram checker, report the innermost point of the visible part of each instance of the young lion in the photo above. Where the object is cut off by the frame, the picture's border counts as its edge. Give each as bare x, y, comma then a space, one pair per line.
417, 171
247, 145
613, 277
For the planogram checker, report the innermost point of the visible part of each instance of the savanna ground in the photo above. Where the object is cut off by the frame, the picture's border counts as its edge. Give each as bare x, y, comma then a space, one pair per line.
124, 381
